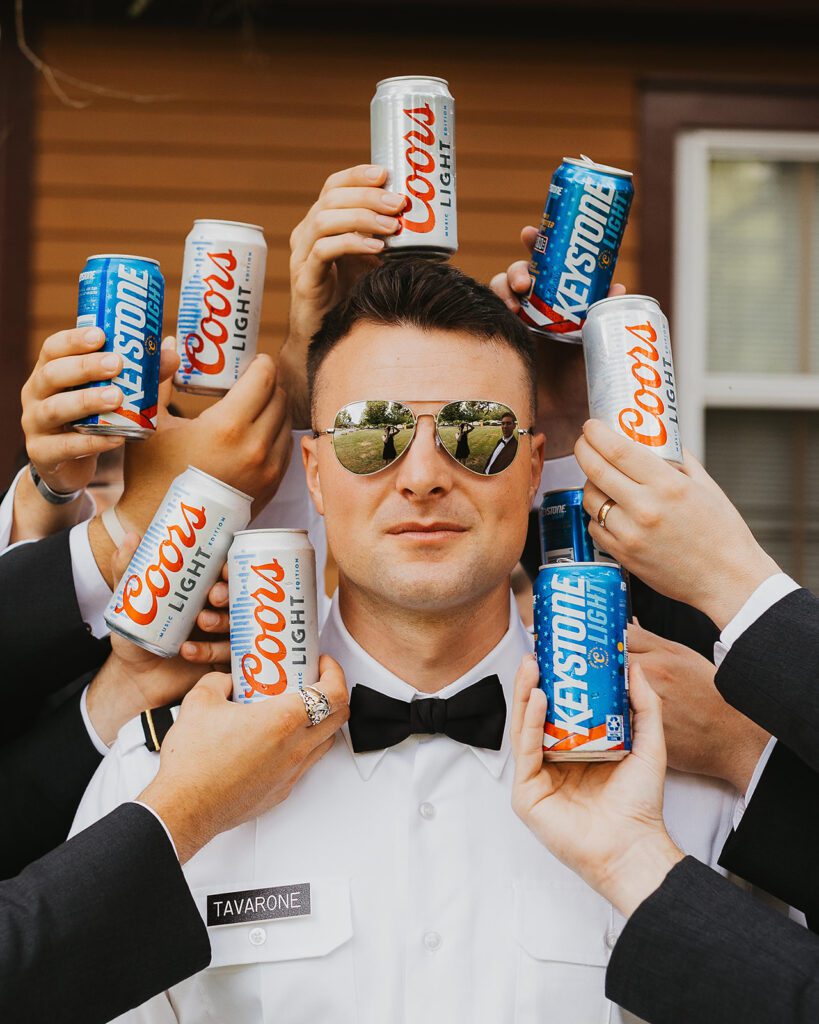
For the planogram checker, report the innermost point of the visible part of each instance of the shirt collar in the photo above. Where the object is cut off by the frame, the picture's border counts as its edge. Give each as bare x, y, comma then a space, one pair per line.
360, 667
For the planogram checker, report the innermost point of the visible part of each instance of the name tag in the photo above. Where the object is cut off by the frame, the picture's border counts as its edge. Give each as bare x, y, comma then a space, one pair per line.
259, 904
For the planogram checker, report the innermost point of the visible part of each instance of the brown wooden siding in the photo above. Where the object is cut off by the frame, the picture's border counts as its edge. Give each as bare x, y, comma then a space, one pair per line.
252, 136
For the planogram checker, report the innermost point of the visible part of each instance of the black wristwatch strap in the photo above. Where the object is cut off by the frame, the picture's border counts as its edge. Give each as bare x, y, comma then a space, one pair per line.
52, 497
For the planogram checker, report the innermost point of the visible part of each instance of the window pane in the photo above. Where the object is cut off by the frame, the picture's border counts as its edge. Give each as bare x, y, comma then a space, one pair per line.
762, 295
768, 464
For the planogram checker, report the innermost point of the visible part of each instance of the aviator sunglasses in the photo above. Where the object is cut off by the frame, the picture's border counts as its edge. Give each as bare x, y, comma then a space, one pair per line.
370, 436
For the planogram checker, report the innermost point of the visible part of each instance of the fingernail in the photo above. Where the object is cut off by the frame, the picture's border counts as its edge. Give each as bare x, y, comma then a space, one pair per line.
110, 362
209, 618
111, 396
94, 334
188, 649
374, 172
389, 223
393, 199
376, 244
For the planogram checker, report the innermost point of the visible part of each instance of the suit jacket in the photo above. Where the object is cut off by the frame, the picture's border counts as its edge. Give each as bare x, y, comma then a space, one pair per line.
43, 775
771, 674
44, 641
701, 950
98, 926
504, 459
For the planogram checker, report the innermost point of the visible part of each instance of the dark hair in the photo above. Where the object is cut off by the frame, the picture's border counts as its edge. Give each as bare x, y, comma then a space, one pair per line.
430, 296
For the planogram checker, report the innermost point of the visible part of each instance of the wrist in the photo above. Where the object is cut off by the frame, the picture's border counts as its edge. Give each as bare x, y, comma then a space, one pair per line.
745, 753
102, 548
734, 585
110, 701
632, 876
186, 827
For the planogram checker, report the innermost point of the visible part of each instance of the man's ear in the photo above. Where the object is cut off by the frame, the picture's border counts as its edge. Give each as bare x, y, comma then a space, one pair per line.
538, 454
309, 456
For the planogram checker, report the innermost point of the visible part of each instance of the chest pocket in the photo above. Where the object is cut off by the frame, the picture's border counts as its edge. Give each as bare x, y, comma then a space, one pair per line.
299, 970
565, 935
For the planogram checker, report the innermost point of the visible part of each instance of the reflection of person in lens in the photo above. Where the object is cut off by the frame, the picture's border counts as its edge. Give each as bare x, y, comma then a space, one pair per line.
389, 452
504, 451
462, 449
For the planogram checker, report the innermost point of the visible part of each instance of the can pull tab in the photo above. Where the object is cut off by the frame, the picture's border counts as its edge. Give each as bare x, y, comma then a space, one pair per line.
586, 159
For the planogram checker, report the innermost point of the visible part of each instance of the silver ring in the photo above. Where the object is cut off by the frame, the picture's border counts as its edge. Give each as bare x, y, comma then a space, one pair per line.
315, 704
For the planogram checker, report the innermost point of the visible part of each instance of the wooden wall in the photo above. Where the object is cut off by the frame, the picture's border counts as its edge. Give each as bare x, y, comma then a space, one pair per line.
251, 133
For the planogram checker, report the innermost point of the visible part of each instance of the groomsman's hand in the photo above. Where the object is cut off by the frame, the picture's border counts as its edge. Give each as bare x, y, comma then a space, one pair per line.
223, 763
562, 403
339, 239
703, 734
604, 821
671, 526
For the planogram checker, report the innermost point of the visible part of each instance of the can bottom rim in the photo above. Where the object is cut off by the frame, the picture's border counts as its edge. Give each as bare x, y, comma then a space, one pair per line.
139, 641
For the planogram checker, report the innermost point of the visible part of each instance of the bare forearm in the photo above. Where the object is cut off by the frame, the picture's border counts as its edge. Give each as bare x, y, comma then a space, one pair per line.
102, 548
638, 873
34, 517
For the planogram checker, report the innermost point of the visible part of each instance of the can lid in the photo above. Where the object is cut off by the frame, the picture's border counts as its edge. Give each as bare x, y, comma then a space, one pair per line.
411, 78
584, 565
221, 483
122, 256
232, 223
619, 298
586, 161
276, 529
562, 490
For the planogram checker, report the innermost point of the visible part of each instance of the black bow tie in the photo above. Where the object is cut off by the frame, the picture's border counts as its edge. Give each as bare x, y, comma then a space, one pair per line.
475, 716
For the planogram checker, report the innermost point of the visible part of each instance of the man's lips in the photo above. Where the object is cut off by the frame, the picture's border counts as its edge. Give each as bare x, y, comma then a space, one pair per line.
434, 530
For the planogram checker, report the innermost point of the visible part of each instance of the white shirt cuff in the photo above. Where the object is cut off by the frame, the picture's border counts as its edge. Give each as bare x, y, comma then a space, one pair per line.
766, 595
7, 513
742, 803
162, 823
93, 593
93, 735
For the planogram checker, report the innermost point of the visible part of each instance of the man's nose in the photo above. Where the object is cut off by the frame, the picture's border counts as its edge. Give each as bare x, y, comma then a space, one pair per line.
425, 469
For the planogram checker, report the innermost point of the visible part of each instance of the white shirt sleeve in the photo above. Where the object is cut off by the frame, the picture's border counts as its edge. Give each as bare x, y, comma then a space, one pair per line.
93, 593
742, 803
162, 823
93, 735
766, 595
7, 513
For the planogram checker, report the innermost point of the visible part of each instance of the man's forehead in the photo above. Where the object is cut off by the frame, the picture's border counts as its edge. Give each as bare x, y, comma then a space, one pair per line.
408, 364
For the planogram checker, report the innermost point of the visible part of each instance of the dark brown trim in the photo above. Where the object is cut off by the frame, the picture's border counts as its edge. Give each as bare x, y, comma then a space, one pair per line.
669, 106
17, 83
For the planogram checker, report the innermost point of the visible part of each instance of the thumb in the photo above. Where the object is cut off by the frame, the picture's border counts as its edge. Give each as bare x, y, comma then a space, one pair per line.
217, 684
647, 723
528, 236
123, 555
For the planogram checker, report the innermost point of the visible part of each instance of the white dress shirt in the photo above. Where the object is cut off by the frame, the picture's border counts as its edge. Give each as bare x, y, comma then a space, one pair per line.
432, 903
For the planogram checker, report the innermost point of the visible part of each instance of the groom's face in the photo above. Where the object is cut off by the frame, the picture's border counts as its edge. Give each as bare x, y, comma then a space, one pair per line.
507, 426
425, 533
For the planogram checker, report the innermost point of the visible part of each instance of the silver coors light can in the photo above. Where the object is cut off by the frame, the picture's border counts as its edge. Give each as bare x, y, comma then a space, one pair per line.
412, 132
220, 304
181, 555
630, 373
274, 641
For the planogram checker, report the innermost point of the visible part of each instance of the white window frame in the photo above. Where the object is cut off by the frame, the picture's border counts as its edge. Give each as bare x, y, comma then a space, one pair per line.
698, 390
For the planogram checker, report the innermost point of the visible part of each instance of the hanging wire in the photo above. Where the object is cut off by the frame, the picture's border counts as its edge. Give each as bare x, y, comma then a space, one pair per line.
54, 77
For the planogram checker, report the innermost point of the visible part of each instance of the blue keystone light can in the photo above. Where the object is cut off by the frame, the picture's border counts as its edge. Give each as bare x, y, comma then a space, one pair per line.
580, 643
576, 248
564, 529
125, 295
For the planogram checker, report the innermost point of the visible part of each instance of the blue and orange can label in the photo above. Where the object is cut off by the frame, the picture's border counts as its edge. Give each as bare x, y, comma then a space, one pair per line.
581, 617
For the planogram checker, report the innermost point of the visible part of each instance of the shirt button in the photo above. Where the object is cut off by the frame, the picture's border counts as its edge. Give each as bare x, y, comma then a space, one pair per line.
611, 938
258, 936
427, 810
432, 941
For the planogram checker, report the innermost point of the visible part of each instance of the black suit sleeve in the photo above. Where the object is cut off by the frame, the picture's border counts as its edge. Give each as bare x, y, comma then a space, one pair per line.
701, 950
44, 641
43, 775
771, 674
99, 925
776, 844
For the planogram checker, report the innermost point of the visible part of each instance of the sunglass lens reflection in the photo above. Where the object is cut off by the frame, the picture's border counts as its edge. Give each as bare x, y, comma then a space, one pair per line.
370, 435
471, 433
